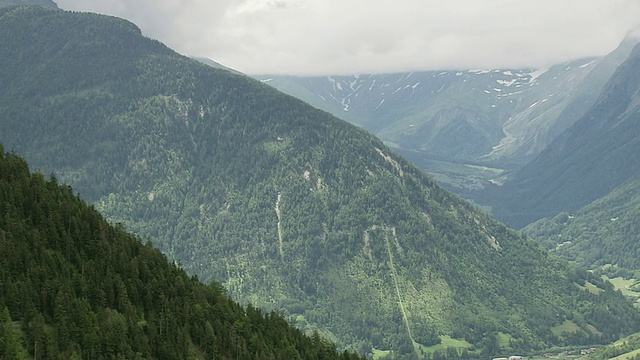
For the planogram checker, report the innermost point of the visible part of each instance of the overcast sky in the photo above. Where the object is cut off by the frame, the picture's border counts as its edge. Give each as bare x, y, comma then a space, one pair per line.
307, 37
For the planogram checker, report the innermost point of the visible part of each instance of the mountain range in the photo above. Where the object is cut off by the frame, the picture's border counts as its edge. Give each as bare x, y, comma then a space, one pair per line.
290, 208
501, 117
586, 162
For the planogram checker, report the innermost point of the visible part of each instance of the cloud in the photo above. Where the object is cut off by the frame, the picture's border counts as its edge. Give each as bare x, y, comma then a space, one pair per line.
373, 36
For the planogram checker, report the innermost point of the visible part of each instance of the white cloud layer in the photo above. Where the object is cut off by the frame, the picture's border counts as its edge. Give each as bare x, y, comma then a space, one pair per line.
376, 36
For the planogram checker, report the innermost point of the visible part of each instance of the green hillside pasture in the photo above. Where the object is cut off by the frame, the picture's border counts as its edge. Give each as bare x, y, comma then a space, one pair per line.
593, 288
567, 327
379, 354
446, 342
504, 340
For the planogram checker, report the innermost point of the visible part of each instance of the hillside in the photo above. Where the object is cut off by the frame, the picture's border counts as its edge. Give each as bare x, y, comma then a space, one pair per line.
591, 158
601, 234
75, 287
289, 207
623, 349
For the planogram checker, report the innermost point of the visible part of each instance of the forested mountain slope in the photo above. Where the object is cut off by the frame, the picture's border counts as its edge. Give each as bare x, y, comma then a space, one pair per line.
289, 207
75, 287
605, 232
590, 159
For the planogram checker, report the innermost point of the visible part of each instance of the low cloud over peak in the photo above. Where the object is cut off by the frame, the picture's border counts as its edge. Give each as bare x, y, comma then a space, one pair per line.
376, 36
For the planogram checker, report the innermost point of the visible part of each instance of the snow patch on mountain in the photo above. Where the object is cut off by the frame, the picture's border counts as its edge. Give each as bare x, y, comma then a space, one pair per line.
587, 64
507, 82
536, 74
479, 71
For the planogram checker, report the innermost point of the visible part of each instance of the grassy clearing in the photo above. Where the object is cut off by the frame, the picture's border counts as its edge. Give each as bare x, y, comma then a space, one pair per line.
593, 289
626, 286
504, 340
445, 342
567, 326
593, 330
455, 343
377, 354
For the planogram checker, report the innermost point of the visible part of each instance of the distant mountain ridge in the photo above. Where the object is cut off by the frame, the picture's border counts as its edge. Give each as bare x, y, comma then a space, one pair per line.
391, 106
466, 128
507, 115
570, 94
290, 208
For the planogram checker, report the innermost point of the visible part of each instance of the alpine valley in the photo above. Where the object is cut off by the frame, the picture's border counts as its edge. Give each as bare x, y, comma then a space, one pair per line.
465, 127
289, 207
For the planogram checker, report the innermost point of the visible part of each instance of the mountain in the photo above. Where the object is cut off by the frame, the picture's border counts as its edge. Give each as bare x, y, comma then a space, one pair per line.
48, 4
421, 111
289, 207
75, 287
468, 127
591, 158
509, 114
563, 94
459, 115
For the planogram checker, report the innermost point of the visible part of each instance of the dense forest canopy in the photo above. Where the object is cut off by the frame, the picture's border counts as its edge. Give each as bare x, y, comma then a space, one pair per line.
74, 287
